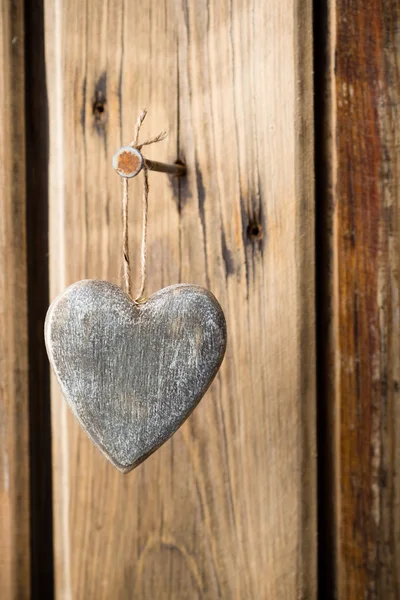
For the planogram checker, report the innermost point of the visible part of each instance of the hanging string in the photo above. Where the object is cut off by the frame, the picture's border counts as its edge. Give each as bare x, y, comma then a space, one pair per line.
125, 238
145, 209
143, 249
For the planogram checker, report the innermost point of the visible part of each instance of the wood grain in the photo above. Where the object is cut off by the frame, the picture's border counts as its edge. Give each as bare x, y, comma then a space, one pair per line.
363, 364
133, 373
14, 447
226, 508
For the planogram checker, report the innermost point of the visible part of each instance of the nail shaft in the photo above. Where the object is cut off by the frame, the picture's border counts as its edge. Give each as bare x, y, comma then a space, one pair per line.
175, 169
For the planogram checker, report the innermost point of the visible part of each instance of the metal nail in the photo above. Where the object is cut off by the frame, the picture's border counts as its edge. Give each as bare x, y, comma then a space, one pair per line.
129, 161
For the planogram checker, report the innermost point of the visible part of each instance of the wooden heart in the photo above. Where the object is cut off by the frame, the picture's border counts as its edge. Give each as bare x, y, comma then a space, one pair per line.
133, 373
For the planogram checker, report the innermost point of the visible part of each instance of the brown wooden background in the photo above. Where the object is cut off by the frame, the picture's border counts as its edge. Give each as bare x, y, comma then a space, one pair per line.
287, 116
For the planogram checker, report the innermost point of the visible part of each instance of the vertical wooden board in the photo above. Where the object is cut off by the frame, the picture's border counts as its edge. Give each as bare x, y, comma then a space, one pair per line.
363, 227
14, 447
226, 509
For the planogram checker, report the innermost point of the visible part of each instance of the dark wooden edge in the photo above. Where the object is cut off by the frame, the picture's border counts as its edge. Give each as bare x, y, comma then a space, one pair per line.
37, 151
324, 300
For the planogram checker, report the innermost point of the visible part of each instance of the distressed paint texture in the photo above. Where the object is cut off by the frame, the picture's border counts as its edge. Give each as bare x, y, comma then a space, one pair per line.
133, 373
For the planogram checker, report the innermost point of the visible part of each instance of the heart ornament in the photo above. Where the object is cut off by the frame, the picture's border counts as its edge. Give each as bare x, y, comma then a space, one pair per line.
132, 373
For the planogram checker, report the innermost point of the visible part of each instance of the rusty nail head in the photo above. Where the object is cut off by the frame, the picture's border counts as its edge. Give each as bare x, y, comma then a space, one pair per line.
128, 161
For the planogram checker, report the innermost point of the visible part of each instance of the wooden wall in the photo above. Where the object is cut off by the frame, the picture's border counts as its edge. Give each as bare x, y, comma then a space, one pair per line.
260, 99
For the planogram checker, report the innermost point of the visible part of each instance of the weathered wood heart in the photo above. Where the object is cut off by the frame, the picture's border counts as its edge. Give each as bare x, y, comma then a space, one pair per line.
133, 373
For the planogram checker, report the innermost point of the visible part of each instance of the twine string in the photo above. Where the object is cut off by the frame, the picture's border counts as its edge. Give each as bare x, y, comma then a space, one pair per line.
125, 238
145, 210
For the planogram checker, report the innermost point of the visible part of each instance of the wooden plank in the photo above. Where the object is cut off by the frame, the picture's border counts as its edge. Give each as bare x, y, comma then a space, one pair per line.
363, 363
226, 508
14, 447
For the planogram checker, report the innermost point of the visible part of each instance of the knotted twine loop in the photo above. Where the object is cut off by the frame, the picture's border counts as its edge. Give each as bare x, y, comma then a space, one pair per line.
145, 208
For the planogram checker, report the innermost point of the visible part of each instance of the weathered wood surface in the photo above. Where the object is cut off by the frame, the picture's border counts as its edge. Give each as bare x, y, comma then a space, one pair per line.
226, 508
363, 365
14, 452
132, 374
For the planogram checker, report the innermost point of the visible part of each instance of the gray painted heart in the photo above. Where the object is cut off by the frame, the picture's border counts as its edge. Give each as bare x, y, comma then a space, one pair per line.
132, 374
